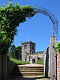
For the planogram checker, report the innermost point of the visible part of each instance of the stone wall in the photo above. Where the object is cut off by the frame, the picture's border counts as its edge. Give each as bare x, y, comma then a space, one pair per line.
3, 67
6, 67
11, 67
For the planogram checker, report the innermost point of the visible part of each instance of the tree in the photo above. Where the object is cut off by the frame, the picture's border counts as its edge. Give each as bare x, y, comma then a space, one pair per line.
12, 51
18, 52
58, 46
15, 52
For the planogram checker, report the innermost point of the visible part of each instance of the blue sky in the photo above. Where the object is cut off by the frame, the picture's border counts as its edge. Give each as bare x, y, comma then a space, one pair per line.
39, 28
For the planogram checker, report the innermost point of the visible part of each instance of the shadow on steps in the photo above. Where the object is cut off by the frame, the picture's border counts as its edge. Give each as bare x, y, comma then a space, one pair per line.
22, 78
19, 72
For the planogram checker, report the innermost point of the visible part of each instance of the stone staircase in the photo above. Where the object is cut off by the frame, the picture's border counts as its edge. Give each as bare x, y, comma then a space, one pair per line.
32, 70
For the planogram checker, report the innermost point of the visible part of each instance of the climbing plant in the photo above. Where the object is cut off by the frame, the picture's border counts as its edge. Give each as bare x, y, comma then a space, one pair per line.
58, 47
10, 18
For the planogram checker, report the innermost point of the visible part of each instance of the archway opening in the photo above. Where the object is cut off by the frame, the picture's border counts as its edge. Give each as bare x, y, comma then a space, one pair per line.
33, 60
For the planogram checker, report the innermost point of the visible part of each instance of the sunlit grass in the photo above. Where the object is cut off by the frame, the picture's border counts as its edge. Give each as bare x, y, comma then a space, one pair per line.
40, 61
18, 61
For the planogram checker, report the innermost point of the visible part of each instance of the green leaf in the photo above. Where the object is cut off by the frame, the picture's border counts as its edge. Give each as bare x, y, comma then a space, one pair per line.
58, 46
4, 37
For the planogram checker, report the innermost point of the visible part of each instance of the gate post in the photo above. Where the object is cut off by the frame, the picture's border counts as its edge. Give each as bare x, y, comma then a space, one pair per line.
46, 62
52, 58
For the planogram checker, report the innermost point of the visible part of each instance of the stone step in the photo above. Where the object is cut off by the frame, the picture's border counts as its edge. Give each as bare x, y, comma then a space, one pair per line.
31, 70
23, 70
29, 73
30, 67
37, 76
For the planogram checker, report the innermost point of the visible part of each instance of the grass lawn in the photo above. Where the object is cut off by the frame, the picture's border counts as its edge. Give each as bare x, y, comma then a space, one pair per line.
18, 61
40, 61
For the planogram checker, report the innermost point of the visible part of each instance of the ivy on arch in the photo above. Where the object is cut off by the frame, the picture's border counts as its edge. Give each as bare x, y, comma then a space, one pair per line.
10, 18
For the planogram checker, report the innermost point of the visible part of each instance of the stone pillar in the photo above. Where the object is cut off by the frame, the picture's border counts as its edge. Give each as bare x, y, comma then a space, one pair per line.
0, 67
4, 67
52, 58
46, 62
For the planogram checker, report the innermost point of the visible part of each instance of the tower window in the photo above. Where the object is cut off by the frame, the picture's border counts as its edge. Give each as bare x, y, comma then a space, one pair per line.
25, 46
33, 47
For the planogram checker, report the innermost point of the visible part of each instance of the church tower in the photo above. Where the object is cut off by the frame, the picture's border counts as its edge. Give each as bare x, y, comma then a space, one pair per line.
28, 48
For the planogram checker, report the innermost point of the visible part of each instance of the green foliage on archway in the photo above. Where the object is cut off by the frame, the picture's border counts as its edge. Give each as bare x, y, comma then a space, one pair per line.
10, 18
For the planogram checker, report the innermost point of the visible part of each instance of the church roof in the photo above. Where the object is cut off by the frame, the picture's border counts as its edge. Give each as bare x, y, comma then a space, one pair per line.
28, 42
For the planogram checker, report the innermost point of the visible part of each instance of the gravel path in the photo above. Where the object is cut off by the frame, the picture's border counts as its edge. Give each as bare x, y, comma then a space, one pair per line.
32, 65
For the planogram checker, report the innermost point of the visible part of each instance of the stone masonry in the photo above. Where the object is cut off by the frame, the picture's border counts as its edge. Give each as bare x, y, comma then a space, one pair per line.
52, 58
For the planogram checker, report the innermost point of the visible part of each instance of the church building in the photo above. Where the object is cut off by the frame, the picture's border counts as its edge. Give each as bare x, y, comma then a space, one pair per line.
29, 54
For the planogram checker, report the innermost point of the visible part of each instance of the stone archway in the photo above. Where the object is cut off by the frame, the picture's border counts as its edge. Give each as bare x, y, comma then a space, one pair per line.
33, 60
55, 26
